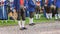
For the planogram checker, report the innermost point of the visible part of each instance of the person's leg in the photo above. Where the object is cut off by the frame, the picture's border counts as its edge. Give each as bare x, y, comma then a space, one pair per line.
50, 15
23, 19
31, 19
47, 15
56, 13
39, 13
18, 18
56, 17
37, 16
45, 11
52, 12
36, 12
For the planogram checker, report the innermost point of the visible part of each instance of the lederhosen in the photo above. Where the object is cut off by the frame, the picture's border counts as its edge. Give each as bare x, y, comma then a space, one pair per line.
54, 11
21, 13
37, 9
48, 9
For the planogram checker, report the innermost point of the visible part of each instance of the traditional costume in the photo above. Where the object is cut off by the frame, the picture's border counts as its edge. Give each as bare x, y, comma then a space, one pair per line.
31, 9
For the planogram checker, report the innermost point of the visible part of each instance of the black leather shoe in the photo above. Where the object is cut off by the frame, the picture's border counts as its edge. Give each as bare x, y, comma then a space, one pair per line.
23, 28
32, 24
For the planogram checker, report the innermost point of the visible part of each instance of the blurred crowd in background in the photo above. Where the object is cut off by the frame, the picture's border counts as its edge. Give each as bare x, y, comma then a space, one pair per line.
47, 7
15, 9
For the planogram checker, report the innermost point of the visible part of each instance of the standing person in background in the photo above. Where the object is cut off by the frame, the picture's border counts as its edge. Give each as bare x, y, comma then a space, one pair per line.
20, 8
42, 4
31, 8
58, 7
38, 9
54, 9
0, 9
48, 9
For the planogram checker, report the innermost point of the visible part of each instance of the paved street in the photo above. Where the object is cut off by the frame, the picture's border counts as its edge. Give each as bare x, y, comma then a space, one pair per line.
41, 28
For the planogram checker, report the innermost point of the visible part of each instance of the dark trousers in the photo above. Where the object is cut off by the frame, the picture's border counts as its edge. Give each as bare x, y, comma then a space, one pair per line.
31, 14
21, 13
47, 9
37, 10
54, 11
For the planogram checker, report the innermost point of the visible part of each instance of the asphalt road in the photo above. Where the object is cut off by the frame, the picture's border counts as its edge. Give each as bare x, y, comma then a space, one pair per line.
41, 28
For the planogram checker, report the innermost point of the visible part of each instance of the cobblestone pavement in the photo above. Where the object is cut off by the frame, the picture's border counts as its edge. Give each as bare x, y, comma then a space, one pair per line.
41, 28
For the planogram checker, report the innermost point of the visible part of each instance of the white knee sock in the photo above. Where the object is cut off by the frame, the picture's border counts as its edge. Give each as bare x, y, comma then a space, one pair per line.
47, 16
30, 20
23, 23
19, 23
56, 16
50, 15
36, 16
